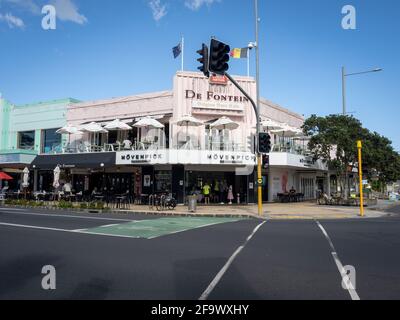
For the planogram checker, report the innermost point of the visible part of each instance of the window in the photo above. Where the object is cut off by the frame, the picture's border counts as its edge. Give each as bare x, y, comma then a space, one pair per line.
26, 140
163, 181
51, 140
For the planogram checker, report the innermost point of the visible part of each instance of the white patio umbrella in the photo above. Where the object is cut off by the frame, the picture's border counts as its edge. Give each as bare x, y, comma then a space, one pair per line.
25, 178
93, 128
189, 121
117, 125
287, 131
56, 181
223, 124
148, 122
69, 129
271, 125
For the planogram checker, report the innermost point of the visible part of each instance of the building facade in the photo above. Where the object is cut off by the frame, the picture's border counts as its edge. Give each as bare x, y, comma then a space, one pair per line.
180, 159
29, 130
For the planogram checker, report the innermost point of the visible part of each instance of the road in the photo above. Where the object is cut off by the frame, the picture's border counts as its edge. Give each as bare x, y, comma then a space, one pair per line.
150, 258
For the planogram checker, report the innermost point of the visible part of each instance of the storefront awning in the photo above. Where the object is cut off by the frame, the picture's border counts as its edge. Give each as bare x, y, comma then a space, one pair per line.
77, 160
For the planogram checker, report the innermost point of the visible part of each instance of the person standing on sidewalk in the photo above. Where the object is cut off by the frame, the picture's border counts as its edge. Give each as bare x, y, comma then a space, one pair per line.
217, 191
206, 193
230, 195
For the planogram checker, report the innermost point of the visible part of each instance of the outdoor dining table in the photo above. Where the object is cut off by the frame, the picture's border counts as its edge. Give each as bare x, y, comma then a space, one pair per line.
98, 197
290, 197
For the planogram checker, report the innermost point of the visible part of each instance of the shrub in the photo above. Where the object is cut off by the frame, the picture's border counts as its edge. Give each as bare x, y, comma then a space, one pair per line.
83, 205
65, 205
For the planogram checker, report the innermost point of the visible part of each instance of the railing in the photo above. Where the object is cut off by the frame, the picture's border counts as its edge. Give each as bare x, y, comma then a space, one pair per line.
293, 149
230, 146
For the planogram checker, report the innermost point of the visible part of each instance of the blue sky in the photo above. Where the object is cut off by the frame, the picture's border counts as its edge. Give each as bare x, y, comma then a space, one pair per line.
113, 48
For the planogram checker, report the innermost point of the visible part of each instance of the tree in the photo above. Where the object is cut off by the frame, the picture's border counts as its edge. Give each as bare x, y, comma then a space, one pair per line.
334, 140
381, 161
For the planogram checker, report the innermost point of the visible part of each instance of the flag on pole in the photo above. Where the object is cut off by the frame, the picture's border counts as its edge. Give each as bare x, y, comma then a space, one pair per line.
177, 50
239, 53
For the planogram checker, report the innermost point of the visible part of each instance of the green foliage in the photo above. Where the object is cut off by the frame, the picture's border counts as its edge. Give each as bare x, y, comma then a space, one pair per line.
23, 203
65, 205
83, 205
97, 206
334, 139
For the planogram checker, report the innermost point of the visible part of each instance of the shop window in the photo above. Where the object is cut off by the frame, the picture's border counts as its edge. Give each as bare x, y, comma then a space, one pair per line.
163, 181
51, 140
26, 140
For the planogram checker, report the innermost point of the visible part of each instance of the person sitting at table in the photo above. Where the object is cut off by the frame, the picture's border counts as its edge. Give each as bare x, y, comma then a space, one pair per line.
127, 144
5, 188
292, 191
67, 188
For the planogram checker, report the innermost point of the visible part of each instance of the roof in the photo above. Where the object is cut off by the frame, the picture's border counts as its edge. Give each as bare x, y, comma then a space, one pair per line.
273, 105
133, 98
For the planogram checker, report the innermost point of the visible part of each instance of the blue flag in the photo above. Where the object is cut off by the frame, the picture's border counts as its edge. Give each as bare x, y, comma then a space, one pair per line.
177, 50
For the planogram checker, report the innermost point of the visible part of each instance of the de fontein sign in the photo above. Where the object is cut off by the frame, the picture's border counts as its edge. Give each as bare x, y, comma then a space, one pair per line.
212, 96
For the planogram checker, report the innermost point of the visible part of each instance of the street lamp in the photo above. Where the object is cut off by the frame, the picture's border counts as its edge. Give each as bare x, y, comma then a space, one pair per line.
344, 75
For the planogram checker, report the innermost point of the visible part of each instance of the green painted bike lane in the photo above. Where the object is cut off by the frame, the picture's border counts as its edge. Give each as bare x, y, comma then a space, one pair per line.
150, 229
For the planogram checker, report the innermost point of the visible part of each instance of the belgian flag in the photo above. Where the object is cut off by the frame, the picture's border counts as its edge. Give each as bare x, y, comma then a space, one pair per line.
239, 53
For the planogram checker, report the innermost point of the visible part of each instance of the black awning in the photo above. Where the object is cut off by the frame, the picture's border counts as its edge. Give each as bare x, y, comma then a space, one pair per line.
76, 160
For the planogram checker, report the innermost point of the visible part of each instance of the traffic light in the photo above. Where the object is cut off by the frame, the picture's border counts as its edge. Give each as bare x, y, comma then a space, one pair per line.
264, 143
251, 143
265, 161
219, 57
204, 59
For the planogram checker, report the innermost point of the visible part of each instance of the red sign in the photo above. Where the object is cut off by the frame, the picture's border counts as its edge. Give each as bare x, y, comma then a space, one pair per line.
221, 80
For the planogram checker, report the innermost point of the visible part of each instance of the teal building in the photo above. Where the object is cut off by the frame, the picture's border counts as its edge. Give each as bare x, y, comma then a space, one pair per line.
27, 130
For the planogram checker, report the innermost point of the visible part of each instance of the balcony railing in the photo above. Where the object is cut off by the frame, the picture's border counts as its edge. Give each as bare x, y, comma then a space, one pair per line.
232, 146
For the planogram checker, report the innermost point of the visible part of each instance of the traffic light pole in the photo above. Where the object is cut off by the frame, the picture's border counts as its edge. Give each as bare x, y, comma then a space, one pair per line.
259, 156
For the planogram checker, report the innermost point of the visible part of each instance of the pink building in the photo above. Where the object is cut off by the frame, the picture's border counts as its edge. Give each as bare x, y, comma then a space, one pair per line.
181, 158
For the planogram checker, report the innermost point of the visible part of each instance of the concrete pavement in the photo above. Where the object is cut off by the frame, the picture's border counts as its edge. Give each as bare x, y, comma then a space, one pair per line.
304, 210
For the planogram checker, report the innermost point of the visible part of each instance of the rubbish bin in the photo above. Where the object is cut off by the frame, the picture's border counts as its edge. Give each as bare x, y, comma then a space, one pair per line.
192, 205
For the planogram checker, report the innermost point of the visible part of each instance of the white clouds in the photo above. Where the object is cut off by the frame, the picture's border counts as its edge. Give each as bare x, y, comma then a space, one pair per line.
12, 21
68, 11
197, 4
29, 5
158, 9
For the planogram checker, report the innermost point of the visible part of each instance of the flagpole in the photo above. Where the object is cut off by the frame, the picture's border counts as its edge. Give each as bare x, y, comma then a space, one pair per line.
248, 62
183, 51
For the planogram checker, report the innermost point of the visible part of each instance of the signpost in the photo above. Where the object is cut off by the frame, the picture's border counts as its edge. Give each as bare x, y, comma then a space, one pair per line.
359, 147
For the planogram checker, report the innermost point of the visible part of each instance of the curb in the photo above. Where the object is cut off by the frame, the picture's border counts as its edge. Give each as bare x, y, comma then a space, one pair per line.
206, 215
149, 213
188, 215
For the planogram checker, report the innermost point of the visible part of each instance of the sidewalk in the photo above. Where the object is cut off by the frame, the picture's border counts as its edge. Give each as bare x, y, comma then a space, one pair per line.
279, 211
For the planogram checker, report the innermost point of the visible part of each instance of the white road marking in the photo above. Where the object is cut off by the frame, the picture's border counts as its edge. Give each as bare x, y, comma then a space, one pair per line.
63, 230
70, 216
350, 288
189, 229
11, 209
221, 273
